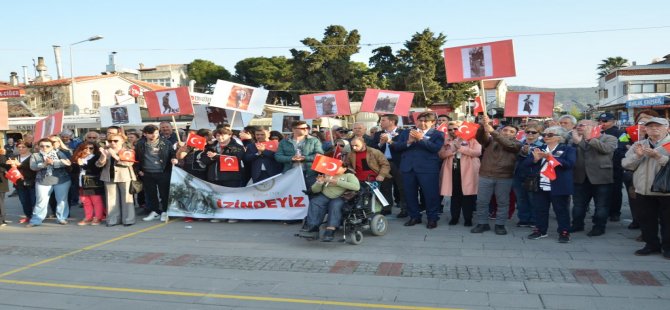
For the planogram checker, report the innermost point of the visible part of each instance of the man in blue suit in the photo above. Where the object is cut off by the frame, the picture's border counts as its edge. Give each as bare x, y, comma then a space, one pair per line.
420, 167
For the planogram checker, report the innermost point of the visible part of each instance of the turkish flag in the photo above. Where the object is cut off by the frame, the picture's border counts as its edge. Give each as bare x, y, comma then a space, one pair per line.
549, 169
478, 106
633, 132
127, 155
444, 127
520, 135
467, 131
50, 125
596, 131
483, 61
326, 165
667, 147
271, 145
13, 175
229, 163
171, 101
337, 153
196, 141
529, 104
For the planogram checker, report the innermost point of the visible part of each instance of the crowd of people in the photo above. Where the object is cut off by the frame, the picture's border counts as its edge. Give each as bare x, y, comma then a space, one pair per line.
562, 164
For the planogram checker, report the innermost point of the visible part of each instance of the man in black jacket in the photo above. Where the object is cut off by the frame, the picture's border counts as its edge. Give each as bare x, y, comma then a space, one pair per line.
381, 141
153, 156
609, 127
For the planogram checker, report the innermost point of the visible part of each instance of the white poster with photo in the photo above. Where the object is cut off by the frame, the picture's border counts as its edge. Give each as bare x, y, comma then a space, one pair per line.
238, 97
528, 104
477, 61
119, 115
209, 117
282, 121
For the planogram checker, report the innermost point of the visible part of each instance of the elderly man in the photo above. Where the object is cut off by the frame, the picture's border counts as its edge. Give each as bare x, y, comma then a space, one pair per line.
568, 122
167, 133
66, 136
645, 158
420, 167
608, 123
495, 174
592, 176
371, 165
360, 131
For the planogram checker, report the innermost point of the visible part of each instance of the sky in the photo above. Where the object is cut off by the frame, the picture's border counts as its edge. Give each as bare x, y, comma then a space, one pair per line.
556, 43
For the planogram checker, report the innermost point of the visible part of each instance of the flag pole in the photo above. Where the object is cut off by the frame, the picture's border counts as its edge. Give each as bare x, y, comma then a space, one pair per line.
232, 121
482, 97
176, 130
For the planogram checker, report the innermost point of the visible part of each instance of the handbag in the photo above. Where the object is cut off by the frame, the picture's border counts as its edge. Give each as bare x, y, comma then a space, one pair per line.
531, 183
91, 182
661, 182
136, 186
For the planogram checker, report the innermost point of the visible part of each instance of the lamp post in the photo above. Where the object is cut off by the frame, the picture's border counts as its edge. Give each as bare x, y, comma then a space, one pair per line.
93, 38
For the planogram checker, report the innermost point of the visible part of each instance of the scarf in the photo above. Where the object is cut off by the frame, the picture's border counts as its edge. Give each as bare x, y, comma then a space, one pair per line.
53, 155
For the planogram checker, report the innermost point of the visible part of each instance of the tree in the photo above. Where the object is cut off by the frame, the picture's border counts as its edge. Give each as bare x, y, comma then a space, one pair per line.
574, 111
272, 73
327, 66
610, 64
385, 65
205, 73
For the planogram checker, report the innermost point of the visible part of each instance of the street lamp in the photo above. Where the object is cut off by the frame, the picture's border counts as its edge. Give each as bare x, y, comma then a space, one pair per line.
93, 38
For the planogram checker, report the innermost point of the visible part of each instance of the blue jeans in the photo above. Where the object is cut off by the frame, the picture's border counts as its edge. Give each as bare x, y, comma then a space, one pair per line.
561, 204
43, 192
581, 199
487, 187
319, 205
524, 208
27, 199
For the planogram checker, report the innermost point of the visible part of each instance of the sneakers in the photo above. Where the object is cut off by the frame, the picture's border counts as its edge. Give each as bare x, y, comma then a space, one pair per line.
84, 222
24, 220
328, 235
500, 230
537, 235
480, 228
3, 224
164, 217
564, 237
95, 222
595, 232
62, 222
152, 217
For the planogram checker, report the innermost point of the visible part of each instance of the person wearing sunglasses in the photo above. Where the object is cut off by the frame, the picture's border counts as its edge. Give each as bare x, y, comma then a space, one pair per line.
593, 176
52, 176
299, 149
90, 187
117, 172
460, 174
646, 158
554, 190
523, 205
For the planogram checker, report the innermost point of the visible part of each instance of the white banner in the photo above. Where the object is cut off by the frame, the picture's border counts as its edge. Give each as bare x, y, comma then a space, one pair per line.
209, 117
238, 97
278, 198
119, 115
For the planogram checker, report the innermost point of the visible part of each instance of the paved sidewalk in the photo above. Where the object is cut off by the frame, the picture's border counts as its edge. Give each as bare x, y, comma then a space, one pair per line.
262, 265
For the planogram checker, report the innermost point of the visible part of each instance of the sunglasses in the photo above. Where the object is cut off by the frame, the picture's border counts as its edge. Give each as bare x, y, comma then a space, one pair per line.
549, 135
451, 129
602, 121
90, 148
115, 141
532, 132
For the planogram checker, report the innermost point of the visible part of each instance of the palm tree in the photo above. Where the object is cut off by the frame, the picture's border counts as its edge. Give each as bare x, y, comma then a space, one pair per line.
611, 64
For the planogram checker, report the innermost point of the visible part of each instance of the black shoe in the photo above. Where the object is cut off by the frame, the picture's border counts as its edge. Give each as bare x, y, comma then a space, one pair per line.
453, 222
500, 230
110, 225
412, 222
574, 229
536, 235
402, 214
292, 222
126, 225
634, 225
615, 218
328, 235
467, 223
310, 229
386, 212
595, 232
648, 251
480, 228
431, 224
564, 237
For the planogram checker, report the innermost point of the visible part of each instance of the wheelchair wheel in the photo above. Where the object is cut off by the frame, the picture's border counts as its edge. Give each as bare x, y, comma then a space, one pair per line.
379, 225
355, 237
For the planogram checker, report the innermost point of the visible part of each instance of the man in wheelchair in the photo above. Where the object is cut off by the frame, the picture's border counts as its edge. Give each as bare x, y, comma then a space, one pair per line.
327, 198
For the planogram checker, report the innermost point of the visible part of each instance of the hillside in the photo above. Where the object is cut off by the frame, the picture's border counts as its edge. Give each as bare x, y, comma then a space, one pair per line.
566, 97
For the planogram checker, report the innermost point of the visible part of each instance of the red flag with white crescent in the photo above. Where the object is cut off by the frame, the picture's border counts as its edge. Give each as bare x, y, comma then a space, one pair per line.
520, 135
633, 132
467, 131
13, 175
549, 169
229, 163
337, 153
196, 141
478, 106
271, 145
326, 165
596, 131
127, 155
444, 127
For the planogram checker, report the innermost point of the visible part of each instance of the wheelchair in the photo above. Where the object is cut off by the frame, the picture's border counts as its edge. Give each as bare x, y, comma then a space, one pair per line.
360, 213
